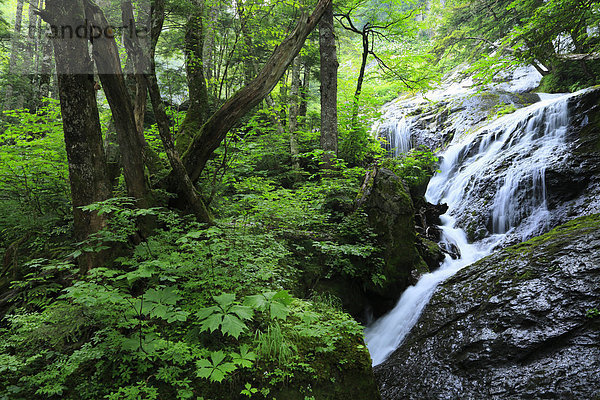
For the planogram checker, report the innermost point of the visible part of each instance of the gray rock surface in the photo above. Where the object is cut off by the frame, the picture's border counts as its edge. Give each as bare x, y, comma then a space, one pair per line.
520, 324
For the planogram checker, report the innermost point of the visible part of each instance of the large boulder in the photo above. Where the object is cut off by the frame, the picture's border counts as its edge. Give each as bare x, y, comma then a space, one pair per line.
522, 323
391, 214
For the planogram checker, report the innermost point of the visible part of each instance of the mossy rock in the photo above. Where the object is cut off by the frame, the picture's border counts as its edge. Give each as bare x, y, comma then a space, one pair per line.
391, 214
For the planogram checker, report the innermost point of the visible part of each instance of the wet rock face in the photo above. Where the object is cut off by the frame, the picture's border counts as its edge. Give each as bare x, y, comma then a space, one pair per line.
391, 214
519, 324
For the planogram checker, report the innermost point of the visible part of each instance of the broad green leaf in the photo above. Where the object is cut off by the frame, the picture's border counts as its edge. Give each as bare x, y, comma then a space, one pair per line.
217, 357
257, 301
163, 296
227, 368
178, 316
224, 300
204, 313
232, 325
245, 357
283, 297
279, 310
217, 375
212, 323
243, 312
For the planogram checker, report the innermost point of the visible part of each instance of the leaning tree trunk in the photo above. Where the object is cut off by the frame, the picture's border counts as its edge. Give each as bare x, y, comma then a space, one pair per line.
214, 131
108, 63
184, 186
81, 123
329, 67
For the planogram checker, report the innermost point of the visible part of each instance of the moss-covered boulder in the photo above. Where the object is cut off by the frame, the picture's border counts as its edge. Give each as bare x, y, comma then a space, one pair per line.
391, 214
523, 323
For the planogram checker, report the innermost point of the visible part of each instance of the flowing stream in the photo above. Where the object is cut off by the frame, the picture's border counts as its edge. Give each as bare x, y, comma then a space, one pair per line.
506, 160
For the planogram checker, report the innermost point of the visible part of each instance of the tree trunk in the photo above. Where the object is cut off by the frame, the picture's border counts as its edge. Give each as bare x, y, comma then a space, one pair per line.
304, 96
182, 181
81, 123
138, 61
108, 63
15, 52
329, 67
184, 186
208, 56
294, 112
361, 78
214, 131
198, 112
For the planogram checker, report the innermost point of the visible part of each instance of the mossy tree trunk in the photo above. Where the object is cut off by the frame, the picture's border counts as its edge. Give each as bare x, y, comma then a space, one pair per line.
199, 109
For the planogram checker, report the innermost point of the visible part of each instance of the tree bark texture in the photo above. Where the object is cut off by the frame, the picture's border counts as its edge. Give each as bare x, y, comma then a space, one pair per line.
138, 60
81, 123
329, 67
107, 59
214, 131
184, 186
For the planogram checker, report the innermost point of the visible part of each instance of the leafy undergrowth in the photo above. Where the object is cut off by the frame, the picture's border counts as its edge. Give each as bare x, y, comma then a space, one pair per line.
194, 312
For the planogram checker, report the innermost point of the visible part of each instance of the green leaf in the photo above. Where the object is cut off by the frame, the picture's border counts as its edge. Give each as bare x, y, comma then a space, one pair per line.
232, 325
217, 357
283, 297
212, 323
225, 300
204, 313
214, 370
279, 310
257, 301
245, 358
243, 312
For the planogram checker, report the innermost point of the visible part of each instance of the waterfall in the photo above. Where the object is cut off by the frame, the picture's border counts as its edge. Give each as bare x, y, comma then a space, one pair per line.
505, 162
397, 135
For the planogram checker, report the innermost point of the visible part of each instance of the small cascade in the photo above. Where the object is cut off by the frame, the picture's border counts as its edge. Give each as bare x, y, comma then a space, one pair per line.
494, 174
397, 135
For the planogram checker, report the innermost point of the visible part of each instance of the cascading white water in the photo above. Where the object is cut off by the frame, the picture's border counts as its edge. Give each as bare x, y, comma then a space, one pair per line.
397, 134
507, 157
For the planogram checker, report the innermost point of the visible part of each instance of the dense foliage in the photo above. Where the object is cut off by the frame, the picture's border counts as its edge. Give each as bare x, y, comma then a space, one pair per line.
233, 306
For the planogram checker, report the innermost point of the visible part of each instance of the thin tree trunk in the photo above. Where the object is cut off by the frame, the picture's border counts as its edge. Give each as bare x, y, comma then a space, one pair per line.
329, 67
15, 52
304, 96
216, 128
294, 112
208, 50
361, 77
45, 62
81, 123
108, 63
